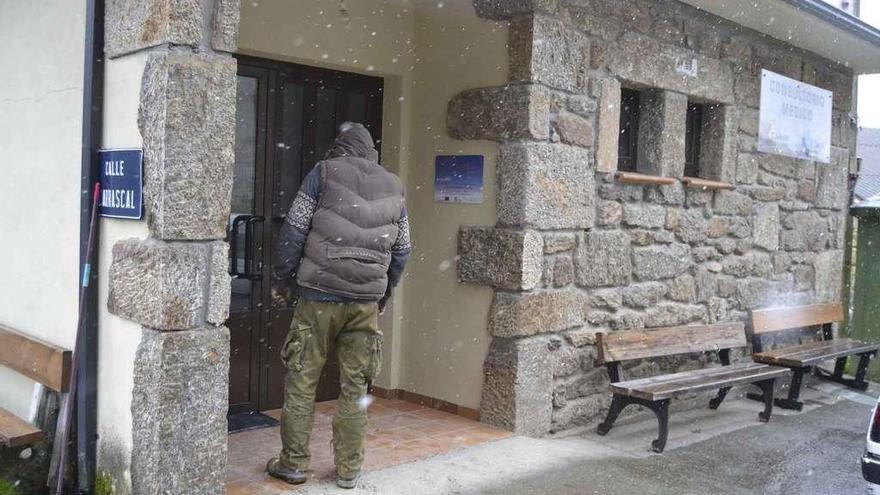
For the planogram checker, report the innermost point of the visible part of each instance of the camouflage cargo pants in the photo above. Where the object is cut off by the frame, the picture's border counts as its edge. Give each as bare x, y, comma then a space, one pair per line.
315, 326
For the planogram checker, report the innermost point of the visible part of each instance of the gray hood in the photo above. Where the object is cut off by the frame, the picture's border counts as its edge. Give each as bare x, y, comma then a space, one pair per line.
353, 140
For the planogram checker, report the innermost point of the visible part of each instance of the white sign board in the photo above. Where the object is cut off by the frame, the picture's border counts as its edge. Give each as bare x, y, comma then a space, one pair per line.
795, 118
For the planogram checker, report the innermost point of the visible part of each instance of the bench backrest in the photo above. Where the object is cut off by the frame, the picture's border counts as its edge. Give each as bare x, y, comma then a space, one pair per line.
778, 319
39, 361
766, 321
638, 344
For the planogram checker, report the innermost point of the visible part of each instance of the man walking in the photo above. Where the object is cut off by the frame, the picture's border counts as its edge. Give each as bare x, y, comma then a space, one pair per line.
345, 242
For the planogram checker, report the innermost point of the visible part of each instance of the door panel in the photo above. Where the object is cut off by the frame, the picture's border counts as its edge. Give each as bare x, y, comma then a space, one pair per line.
288, 116
244, 317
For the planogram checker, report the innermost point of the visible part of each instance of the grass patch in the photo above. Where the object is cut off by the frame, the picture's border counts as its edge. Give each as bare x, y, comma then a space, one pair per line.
7, 488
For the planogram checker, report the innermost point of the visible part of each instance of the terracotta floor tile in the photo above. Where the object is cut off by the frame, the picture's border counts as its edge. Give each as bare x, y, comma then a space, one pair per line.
401, 405
398, 432
394, 421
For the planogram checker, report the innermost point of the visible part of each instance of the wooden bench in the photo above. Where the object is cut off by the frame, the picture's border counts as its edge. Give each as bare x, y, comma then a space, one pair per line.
41, 362
813, 347
655, 392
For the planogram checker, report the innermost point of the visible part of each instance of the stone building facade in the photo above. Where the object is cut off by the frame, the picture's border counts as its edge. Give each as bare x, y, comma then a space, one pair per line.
564, 247
578, 250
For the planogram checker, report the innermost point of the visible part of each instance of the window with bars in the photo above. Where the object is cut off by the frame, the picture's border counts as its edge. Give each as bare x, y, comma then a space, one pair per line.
692, 141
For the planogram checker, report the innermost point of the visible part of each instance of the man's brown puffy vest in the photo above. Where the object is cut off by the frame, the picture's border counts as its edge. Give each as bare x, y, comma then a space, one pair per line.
348, 249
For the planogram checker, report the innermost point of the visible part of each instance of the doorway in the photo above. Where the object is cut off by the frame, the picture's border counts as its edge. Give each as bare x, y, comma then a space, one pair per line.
287, 116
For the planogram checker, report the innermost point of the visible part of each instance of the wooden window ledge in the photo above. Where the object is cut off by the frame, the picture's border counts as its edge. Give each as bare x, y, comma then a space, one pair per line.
633, 178
698, 183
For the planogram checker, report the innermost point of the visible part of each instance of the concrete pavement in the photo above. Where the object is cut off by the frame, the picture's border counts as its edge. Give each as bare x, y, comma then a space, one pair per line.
709, 452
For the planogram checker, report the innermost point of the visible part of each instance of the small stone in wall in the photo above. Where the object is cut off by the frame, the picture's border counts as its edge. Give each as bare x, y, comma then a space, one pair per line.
668, 314
603, 258
699, 197
746, 168
693, 227
754, 293
705, 253
607, 298
803, 277
673, 217
725, 286
655, 263
719, 310
766, 227
582, 105
725, 246
807, 190
732, 203
610, 213
641, 237
596, 317
671, 194
581, 337
683, 289
763, 264
625, 320
574, 130
649, 216
643, 295
718, 227
563, 271
738, 266
828, 267
763, 193
705, 285
557, 243
739, 227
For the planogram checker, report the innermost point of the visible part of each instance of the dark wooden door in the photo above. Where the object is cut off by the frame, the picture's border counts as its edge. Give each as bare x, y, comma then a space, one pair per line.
287, 118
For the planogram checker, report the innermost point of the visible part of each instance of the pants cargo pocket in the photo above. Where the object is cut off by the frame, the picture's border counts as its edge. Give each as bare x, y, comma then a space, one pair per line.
374, 366
293, 350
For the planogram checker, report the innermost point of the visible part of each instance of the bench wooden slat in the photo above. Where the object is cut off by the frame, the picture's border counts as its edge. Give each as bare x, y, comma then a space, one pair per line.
814, 352
637, 344
16, 432
660, 379
696, 380
773, 320
39, 361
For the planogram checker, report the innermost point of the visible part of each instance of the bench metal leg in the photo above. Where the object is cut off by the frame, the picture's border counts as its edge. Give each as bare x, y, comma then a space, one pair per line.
859, 382
767, 387
794, 392
660, 409
839, 366
618, 402
715, 402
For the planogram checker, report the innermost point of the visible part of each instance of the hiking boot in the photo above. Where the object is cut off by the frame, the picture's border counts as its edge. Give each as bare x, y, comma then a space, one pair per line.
291, 475
347, 482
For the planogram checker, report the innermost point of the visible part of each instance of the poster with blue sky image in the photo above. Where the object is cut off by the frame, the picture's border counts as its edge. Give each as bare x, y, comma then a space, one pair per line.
458, 179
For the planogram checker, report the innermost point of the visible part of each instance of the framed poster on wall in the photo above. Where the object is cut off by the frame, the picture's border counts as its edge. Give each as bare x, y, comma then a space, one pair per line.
795, 118
458, 179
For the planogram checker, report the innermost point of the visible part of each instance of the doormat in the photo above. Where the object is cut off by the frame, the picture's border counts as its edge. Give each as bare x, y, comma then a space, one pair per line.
249, 421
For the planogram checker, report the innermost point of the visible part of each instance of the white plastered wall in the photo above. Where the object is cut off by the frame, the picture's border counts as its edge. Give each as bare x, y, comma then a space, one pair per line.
40, 133
436, 336
445, 336
118, 338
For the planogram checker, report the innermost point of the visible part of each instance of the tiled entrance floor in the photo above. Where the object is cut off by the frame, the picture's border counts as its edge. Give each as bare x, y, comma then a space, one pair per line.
398, 432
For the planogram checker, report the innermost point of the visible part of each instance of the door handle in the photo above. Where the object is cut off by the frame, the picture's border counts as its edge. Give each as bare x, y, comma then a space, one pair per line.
233, 245
249, 247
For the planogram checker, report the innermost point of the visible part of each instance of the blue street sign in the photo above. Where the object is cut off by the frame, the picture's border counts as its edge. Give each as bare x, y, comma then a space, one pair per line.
122, 189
